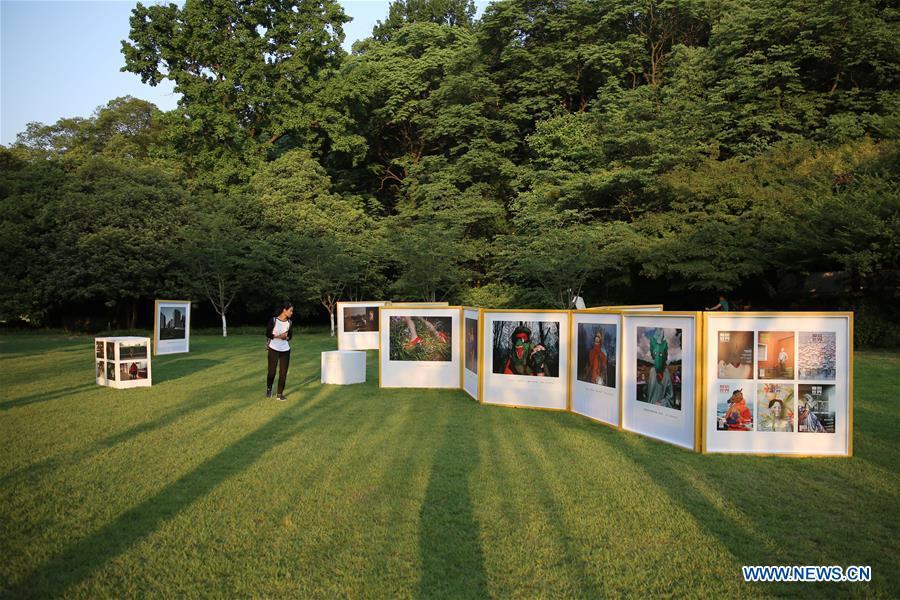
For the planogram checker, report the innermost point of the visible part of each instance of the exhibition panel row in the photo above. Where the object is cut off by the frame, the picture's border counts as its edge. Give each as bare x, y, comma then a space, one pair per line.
716, 382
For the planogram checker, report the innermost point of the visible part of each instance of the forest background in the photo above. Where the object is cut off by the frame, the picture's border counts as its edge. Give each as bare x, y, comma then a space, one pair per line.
629, 151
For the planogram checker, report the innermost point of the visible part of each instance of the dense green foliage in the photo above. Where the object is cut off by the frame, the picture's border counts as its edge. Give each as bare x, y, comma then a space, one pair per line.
649, 151
200, 487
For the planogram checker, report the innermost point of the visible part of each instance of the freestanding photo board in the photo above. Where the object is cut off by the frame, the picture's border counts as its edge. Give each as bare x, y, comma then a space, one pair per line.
172, 326
122, 362
596, 382
525, 358
471, 348
357, 325
778, 383
419, 346
660, 369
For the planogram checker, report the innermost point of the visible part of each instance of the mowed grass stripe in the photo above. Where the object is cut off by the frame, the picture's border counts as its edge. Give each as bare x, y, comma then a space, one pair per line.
199, 486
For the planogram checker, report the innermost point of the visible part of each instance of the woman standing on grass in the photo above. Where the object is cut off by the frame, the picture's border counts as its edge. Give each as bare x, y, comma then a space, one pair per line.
279, 331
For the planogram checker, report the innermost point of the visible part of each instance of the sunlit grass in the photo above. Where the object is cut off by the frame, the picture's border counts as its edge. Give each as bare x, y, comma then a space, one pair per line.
199, 486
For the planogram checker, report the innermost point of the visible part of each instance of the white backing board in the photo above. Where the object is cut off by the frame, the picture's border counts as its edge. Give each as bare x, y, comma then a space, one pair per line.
654, 416
500, 387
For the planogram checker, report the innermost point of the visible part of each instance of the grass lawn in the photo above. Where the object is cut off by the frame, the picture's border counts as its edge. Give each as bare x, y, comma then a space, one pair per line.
199, 486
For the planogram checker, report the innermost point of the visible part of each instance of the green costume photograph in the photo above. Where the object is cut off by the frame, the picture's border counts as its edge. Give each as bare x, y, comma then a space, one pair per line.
526, 348
659, 366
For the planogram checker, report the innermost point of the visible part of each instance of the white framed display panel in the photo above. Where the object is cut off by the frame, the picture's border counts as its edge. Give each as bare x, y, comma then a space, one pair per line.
422, 373
122, 362
595, 373
646, 401
358, 340
413, 304
471, 351
531, 391
796, 399
172, 318
629, 308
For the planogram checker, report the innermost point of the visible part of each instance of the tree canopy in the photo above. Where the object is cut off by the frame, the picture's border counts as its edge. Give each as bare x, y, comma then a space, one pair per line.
637, 151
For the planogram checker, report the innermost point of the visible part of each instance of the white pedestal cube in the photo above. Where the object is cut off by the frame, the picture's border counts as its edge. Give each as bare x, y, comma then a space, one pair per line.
122, 362
343, 367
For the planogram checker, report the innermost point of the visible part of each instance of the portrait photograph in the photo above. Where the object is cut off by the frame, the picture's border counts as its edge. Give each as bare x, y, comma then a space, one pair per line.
659, 353
472, 345
596, 360
815, 405
529, 348
733, 411
775, 355
775, 407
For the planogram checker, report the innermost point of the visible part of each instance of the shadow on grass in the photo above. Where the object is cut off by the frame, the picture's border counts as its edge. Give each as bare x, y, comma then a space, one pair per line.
550, 485
46, 396
745, 508
449, 536
91, 553
172, 369
177, 412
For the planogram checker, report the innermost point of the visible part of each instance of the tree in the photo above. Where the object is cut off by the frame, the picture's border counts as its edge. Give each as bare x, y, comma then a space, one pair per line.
249, 74
456, 13
320, 241
216, 250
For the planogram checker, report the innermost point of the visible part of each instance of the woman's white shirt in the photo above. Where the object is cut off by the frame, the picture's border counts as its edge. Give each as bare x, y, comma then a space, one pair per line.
280, 327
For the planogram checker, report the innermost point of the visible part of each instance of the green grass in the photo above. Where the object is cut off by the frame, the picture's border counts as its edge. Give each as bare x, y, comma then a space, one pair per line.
200, 487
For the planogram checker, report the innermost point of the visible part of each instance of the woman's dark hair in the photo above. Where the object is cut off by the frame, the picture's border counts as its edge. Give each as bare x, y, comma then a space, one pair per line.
283, 307
774, 400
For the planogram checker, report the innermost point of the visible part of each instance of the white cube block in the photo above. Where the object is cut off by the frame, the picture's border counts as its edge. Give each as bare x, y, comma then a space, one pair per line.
343, 367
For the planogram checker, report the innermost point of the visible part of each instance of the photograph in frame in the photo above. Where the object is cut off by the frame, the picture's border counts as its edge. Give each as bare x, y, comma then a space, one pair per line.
417, 338
526, 348
659, 369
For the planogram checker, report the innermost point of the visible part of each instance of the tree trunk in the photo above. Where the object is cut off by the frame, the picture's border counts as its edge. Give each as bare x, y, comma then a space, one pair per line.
224, 326
331, 317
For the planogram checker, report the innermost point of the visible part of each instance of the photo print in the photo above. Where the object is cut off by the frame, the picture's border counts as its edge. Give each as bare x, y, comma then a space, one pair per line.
775, 407
735, 355
816, 412
472, 345
775, 355
659, 366
818, 355
100, 367
732, 411
526, 348
111, 371
171, 323
132, 370
597, 354
110, 351
132, 351
99, 349
421, 338
358, 319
